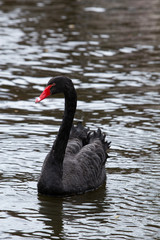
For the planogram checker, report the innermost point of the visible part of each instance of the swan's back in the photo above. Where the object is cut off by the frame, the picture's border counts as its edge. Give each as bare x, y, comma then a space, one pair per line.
84, 162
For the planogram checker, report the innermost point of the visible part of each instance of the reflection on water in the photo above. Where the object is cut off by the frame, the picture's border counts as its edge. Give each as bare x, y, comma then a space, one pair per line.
111, 51
71, 212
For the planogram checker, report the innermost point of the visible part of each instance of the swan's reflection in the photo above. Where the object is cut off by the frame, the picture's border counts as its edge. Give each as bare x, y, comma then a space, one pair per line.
51, 209
59, 212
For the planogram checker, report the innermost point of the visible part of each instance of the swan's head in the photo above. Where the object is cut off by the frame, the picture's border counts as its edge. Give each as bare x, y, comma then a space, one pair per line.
55, 85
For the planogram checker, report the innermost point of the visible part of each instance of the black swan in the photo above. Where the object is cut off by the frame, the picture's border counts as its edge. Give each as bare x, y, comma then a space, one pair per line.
76, 161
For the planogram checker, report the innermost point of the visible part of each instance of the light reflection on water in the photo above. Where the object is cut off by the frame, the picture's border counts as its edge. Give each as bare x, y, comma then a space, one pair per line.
111, 51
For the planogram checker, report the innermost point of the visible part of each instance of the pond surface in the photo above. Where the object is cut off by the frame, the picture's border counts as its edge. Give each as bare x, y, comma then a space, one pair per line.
111, 50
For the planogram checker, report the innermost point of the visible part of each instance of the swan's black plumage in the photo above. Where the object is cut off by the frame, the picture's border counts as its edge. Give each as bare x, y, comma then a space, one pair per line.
76, 161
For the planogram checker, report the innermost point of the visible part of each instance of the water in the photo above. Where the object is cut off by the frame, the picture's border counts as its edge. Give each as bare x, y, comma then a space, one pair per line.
111, 51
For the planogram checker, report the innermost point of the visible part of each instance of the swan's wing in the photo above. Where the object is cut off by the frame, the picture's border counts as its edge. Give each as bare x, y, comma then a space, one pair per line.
85, 170
73, 147
78, 138
84, 164
91, 158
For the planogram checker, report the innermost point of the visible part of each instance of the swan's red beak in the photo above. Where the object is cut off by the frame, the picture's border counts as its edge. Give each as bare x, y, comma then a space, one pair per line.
44, 94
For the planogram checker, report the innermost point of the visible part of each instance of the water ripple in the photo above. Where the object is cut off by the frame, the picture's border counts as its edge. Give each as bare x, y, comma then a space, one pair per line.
112, 54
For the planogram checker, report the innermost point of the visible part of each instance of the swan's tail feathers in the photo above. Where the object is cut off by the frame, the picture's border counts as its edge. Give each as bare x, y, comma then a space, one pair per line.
80, 132
93, 135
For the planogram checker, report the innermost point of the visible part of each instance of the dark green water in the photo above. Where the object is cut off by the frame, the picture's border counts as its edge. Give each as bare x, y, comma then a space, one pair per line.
111, 50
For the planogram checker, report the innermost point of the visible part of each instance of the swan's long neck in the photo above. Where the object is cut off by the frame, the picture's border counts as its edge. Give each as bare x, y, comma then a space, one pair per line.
60, 143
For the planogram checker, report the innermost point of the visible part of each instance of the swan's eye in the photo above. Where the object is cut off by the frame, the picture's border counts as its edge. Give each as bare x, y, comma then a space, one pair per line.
52, 86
